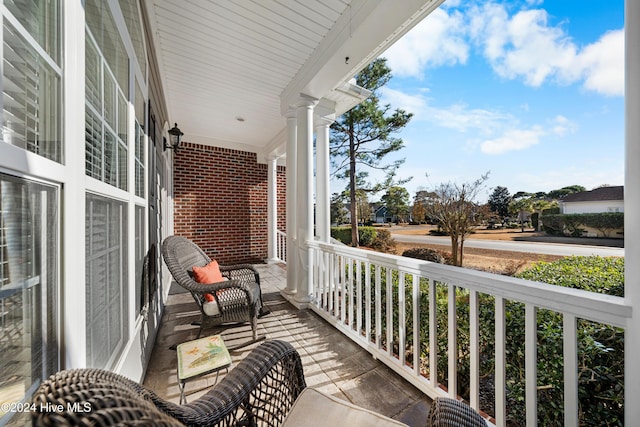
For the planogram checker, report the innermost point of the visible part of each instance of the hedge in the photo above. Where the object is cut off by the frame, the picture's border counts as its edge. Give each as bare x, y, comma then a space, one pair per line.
605, 222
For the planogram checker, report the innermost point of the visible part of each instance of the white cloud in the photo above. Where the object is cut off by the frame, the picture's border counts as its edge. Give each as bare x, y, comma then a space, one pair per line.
502, 132
560, 126
523, 45
434, 42
603, 64
526, 46
522, 139
513, 140
457, 116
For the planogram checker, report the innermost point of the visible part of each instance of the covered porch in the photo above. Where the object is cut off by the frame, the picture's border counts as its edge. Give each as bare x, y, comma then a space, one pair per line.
332, 363
351, 289
254, 85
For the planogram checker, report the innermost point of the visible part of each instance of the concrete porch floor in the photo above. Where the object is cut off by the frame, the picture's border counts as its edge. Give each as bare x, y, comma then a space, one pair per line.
332, 362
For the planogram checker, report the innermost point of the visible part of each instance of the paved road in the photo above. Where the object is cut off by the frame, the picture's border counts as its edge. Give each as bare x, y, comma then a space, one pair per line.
507, 245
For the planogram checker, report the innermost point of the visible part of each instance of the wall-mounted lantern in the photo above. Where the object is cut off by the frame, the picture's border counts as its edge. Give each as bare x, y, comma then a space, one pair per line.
175, 137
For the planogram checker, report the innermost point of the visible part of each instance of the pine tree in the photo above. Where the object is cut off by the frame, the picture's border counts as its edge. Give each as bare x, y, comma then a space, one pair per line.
363, 136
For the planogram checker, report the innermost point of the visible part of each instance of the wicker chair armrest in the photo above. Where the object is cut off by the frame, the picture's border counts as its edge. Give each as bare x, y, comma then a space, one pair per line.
207, 288
95, 397
240, 272
447, 412
260, 390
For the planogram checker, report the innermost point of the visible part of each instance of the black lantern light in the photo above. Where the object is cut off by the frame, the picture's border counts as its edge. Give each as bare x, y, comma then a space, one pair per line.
175, 136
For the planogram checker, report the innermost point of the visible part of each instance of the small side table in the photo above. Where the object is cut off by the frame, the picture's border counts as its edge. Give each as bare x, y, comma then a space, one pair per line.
201, 357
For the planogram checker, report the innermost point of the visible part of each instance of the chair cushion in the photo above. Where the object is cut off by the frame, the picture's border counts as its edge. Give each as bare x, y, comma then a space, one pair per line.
313, 408
210, 273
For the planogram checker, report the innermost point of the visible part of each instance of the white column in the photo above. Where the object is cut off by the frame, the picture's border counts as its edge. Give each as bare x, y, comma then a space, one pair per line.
632, 210
323, 196
272, 209
304, 197
291, 173
73, 318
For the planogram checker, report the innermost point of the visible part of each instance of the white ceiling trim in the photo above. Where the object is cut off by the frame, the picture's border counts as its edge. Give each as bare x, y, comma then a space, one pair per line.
230, 69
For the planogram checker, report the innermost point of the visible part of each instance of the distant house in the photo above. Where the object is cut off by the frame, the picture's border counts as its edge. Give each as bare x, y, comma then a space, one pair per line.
604, 199
381, 215
600, 200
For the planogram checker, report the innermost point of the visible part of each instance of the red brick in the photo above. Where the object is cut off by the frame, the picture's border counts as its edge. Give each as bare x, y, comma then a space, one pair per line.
221, 202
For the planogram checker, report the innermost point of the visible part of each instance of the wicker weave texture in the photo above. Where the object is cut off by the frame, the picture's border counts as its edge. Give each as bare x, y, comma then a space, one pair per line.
240, 299
259, 391
446, 412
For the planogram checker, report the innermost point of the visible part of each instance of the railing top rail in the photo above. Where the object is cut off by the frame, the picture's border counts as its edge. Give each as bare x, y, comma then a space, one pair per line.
602, 308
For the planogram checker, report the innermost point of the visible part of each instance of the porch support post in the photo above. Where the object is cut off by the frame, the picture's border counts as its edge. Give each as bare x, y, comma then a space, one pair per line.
323, 216
292, 135
272, 209
304, 199
632, 209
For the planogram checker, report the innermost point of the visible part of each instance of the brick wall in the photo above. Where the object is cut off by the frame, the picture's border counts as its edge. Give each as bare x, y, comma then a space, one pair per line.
221, 202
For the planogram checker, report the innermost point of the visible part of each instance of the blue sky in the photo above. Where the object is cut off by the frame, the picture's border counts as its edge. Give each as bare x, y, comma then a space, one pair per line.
531, 91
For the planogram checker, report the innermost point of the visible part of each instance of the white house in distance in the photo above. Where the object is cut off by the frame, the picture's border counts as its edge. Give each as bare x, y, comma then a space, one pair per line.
603, 199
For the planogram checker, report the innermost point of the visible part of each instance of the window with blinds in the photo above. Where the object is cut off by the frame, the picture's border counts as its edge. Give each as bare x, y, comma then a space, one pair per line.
139, 142
106, 89
32, 80
29, 248
140, 302
106, 279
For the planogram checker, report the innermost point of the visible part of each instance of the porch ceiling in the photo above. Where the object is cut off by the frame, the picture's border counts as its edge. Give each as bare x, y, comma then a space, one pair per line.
230, 69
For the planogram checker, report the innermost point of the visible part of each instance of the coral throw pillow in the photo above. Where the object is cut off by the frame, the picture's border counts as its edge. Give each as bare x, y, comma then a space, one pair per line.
210, 273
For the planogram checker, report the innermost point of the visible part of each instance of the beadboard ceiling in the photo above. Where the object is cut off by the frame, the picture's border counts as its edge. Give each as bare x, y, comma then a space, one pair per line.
230, 68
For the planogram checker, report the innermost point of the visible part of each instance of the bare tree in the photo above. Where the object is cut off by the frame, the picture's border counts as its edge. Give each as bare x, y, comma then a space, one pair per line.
454, 209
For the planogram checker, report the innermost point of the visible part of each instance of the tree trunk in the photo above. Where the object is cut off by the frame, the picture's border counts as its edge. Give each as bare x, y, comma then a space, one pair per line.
355, 240
454, 248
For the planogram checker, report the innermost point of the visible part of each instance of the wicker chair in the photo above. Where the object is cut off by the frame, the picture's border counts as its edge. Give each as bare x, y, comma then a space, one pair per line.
259, 391
239, 299
447, 412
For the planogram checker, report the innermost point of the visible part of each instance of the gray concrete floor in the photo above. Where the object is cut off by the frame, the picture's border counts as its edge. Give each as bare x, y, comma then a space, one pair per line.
332, 362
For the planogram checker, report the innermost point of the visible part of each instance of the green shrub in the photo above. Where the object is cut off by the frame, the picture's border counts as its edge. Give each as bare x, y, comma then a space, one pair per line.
383, 242
366, 234
425, 254
342, 234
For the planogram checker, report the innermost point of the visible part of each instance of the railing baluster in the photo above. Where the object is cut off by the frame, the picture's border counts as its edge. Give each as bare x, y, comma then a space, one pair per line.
350, 281
343, 289
389, 313
378, 303
334, 284
417, 345
570, 350
433, 336
474, 348
531, 364
500, 376
452, 347
328, 272
319, 280
367, 311
402, 323
359, 297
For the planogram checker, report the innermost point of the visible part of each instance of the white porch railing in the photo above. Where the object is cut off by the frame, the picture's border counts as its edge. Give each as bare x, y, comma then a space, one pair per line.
349, 289
281, 246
